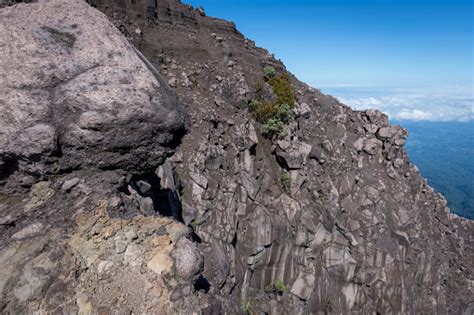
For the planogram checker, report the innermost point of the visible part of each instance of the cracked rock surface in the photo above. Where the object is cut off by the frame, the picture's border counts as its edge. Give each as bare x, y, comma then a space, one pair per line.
356, 229
74, 94
330, 219
81, 115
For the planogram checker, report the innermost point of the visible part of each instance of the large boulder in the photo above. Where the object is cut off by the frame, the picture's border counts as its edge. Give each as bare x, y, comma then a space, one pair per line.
74, 93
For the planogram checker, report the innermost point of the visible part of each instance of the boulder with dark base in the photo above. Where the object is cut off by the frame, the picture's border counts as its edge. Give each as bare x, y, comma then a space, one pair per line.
74, 94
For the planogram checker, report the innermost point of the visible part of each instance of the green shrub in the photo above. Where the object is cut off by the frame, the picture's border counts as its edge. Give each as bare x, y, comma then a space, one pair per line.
269, 71
280, 286
247, 308
265, 111
193, 224
258, 86
285, 180
274, 115
274, 127
284, 113
277, 287
281, 86
254, 105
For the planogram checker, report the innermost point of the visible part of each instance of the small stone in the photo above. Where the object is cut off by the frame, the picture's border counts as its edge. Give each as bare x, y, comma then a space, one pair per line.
284, 144
173, 82
29, 231
40, 193
302, 110
146, 205
176, 295
143, 186
156, 291
115, 202
186, 290
358, 144
398, 163
318, 155
303, 286
372, 145
6, 220
69, 184
219, 101
133, 255
120, 246
388, 132
201, 11
104, 266
160, 263
131, 235
214, 158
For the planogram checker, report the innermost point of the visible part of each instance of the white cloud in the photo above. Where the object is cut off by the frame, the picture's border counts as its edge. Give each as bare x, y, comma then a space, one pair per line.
454, 104
414, 114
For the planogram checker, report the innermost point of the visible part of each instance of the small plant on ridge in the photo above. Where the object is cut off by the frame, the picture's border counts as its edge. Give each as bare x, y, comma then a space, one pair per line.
269, 71
277, 287
285, 180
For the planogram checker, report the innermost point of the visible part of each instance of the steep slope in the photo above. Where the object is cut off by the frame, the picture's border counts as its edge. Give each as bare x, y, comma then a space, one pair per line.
358, 230
329, 218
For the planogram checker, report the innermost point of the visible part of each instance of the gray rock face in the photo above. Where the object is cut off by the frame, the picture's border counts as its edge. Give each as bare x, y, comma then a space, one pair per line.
74, 94
303, 285
333, 214
81, 115
354, 230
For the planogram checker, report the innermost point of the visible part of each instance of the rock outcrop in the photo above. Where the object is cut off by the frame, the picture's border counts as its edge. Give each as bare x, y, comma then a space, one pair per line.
74, 94
84, 121
330, 218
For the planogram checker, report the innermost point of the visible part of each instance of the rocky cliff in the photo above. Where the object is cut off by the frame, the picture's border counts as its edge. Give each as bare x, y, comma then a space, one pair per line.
143, 180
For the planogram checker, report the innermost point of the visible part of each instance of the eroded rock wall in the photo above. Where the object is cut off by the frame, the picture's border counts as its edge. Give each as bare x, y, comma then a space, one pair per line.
357, 230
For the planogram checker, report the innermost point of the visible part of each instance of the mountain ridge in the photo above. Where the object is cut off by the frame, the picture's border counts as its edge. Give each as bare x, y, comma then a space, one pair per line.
356, 228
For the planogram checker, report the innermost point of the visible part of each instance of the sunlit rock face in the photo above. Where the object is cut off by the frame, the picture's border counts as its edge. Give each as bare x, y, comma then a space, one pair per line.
83, 117
74, 94
330, 218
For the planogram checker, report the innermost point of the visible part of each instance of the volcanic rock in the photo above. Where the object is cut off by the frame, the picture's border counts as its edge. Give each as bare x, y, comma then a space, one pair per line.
333, 214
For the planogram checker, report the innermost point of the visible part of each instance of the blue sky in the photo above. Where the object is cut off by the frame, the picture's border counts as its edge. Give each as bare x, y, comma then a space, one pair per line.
369, 52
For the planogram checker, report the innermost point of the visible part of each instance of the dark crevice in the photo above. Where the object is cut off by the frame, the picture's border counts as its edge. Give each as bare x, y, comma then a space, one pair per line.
253, 150
166, 202
201, 284
234, 241
7, 167
195, 238
10, 224
232, 288
58, 150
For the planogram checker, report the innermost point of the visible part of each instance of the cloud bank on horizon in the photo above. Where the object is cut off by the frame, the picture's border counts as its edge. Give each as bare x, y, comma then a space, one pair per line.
456, 104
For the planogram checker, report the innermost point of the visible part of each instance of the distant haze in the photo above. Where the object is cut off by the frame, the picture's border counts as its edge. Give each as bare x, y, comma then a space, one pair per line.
417, 104
444, 153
